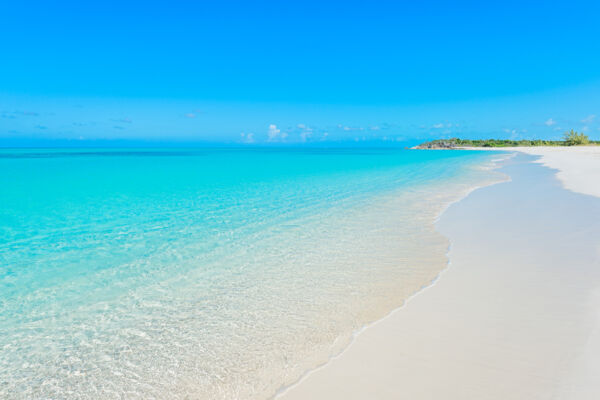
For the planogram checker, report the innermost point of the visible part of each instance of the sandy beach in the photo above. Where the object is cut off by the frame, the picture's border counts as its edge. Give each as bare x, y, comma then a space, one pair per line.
578, 167
514, 316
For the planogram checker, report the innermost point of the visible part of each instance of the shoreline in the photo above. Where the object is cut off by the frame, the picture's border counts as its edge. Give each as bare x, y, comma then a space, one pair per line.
575, 173
494, 164
315, 383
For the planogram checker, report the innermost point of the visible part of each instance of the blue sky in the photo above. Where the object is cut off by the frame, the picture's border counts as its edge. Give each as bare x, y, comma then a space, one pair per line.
297, 72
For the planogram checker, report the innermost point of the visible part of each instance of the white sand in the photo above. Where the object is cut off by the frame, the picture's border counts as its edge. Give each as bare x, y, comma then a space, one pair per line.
515, 316
578, 166
579, 170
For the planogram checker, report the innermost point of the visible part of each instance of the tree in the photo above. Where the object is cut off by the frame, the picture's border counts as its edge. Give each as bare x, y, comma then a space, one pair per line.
573, 138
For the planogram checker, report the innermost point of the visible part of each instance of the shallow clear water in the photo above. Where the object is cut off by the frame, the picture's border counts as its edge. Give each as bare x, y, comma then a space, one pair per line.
208, 273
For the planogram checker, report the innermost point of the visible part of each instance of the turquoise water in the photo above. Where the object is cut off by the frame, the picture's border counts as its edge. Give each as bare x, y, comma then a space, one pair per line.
207, 273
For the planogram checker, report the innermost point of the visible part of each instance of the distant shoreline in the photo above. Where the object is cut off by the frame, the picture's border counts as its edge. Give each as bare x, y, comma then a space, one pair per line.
571, 139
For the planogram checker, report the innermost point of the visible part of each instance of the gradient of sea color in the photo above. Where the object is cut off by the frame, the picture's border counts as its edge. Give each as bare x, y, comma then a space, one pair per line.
208, 273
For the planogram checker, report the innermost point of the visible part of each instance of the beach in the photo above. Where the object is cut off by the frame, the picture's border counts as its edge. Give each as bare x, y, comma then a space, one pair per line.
207, 201
578, 167
516, 313
321, 273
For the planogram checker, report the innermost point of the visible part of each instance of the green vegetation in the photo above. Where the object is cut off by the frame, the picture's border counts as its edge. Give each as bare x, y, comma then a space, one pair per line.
571, 138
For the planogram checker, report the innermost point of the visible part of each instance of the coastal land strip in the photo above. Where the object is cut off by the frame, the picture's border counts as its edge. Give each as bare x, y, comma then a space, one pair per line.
517, 313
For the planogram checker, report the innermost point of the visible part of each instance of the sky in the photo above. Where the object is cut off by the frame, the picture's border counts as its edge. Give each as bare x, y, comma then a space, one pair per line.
286, 72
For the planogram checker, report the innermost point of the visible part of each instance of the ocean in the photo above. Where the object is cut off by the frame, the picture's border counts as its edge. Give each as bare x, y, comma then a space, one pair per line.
209, 273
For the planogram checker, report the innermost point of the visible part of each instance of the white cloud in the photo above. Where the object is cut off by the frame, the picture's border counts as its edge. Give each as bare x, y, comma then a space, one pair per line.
375, 128
306, 132
190, 115
550, 122
303, 127
514, 133
274, 134
438, 126
247, 137
305, 135
588, 119
353, 128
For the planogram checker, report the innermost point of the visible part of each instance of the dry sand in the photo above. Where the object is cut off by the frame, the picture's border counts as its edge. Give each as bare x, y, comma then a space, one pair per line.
515, 316
578, 166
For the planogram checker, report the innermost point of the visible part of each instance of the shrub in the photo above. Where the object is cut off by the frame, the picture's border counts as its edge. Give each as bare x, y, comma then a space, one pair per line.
573, 138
